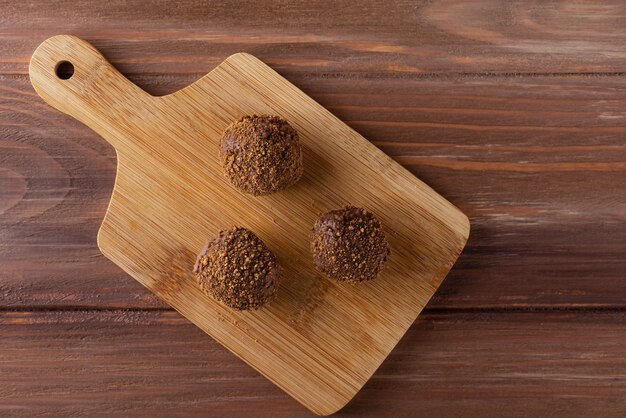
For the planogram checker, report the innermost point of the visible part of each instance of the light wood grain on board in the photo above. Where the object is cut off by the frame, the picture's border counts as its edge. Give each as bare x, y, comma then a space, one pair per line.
319, 341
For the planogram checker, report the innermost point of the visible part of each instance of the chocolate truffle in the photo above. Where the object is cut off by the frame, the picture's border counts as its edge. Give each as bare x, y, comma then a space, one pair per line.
261, 154
349, 245
238, 269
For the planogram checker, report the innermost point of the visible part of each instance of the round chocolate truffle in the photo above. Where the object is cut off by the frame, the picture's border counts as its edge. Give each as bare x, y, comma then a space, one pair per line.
261, 154
238, 269
349, 245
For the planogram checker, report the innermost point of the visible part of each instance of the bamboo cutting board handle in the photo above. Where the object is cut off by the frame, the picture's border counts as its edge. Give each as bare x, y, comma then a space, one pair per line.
96, 94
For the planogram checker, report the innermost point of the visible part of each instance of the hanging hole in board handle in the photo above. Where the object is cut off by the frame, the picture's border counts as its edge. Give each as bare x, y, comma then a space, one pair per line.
73, 77
64, 70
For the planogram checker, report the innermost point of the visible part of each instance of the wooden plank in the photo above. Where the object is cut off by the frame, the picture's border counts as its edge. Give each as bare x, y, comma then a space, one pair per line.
120, 363
537, 163
397, 38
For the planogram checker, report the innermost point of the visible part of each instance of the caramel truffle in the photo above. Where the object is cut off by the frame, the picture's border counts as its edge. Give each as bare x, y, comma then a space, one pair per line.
238, 269
261, 154
349, 245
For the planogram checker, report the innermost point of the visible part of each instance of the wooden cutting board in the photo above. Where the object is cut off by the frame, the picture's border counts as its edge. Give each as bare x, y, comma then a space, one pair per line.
319, 341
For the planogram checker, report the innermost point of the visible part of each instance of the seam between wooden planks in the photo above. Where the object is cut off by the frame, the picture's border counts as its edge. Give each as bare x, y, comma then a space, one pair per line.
460, 310
367, 75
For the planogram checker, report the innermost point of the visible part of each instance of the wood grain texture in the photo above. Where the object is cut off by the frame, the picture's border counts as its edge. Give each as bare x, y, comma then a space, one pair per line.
402, 38
536, 162
513, 110
319, 340
115, 363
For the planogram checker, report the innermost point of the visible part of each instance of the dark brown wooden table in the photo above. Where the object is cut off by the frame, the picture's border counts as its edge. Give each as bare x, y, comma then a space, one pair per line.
514, 111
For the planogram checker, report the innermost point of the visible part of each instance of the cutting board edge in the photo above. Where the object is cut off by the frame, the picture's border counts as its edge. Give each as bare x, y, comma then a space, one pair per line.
199, 81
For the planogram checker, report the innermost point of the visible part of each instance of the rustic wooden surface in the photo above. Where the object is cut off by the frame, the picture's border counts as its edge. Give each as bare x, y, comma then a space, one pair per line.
514, 111
319, 340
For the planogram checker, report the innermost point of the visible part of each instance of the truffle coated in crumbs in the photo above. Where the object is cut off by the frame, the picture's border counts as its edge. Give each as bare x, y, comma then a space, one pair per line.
349, 245
261, 154
238, 269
